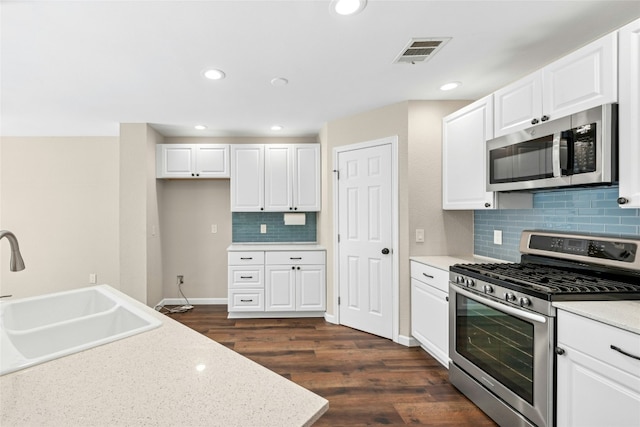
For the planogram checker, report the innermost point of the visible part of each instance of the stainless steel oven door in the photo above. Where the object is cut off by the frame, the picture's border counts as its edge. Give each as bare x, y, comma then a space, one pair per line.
506, 350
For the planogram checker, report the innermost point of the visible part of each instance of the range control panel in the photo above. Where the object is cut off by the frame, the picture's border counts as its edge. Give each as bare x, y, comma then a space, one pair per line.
605, 248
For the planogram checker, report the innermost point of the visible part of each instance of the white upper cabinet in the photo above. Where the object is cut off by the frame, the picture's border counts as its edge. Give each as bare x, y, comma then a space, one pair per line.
292, 177
464, 134
278, 178
581, 80
629, 116
247, 177
275, 178
518, 104
192, 161
306, 177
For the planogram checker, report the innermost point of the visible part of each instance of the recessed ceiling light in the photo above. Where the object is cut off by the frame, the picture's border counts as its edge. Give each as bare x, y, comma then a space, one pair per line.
348, 7
279, 81
450, 86
214, 74
276, 127
200, 127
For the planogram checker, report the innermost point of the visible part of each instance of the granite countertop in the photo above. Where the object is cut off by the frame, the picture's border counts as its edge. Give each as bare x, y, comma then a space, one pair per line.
171, 375
234, 247
622, 314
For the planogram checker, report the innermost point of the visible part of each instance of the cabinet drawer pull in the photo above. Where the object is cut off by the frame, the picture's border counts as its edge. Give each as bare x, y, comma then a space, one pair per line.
249, 257
427, 275
246, 300
295, 257
621, 351
246, 277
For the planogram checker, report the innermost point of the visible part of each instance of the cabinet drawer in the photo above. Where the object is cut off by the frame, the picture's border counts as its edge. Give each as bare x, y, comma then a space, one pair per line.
295, 257
246, 258
246, 300
595, 339
243, 277
430, 275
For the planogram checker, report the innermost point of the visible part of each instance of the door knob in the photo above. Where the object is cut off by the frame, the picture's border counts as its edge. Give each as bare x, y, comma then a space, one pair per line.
385, 251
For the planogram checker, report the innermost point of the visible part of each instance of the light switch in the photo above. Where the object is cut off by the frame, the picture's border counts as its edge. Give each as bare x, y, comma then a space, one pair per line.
419, 235
497, 237
263, 228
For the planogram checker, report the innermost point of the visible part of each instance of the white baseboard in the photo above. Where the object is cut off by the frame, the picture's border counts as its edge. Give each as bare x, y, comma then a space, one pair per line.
408, 341
330, 318
193, 301
273, 314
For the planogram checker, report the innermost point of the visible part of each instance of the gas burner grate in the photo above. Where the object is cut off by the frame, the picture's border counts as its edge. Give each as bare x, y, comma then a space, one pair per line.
549, 280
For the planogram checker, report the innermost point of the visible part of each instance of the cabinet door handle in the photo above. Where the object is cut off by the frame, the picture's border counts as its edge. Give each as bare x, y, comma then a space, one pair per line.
246, 257
621, 351
293, 257
427, 275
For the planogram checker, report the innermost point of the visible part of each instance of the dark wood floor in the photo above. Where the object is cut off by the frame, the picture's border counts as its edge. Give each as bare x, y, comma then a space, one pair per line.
368, 380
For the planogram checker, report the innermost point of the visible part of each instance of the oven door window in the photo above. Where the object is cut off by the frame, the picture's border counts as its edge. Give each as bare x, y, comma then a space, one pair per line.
522, 162
500, 344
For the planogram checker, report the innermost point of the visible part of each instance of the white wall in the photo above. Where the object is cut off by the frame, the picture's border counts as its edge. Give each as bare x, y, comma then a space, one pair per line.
59, 195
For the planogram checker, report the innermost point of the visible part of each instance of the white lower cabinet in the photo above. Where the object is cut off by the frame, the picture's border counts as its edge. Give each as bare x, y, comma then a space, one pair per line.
597, 385
277, 282
430, 310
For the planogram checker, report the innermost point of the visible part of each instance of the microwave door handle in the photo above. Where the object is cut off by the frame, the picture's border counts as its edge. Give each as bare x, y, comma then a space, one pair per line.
555, 155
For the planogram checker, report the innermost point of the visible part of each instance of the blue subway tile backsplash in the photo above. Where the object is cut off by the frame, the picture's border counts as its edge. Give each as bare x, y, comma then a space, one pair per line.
585, 211
246, 228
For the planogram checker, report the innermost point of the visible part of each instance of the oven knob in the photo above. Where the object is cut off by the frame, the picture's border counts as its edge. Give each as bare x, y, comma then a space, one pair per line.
524, 302
488, 289
470, 283
460, 280
509, 297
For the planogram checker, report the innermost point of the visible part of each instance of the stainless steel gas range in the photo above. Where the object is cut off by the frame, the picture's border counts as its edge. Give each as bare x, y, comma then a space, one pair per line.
503, 329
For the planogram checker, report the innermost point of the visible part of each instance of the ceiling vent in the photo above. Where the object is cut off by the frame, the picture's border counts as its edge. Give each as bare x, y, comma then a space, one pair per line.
419, 50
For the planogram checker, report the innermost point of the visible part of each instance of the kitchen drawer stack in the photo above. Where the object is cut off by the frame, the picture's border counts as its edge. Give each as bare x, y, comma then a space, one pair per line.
277, 283
246, 281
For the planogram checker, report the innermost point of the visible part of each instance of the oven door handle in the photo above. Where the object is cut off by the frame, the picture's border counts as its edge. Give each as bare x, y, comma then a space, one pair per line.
523, 314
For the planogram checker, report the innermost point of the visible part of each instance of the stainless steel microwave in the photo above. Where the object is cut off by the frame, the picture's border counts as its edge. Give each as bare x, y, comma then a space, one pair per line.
580, 149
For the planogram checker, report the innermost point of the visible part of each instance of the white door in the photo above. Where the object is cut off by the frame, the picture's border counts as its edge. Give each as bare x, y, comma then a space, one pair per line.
365, 227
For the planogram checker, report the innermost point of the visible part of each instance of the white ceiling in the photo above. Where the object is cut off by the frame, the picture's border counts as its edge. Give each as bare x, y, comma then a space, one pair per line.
79, 68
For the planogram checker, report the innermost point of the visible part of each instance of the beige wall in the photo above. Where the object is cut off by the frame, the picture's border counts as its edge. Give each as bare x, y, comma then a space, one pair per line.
59, 195
188, 209
446, 232
417, 124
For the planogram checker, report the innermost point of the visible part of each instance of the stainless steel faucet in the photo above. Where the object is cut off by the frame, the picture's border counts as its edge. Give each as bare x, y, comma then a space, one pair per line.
16, 263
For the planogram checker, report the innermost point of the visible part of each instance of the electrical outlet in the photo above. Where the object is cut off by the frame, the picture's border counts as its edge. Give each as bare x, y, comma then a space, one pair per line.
263, 228
93, 278
214, 228
419, 235
180, 279
497, 237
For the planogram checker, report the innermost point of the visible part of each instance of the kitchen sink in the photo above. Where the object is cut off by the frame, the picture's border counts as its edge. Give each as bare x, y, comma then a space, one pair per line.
42, 328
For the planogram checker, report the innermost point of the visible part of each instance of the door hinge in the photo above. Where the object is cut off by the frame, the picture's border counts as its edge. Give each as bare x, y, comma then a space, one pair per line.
337, 172
338, 238
338, 300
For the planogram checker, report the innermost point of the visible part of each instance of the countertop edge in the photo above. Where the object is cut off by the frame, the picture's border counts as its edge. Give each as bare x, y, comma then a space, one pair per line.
621, 314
